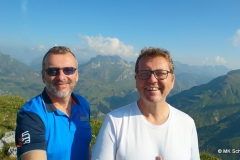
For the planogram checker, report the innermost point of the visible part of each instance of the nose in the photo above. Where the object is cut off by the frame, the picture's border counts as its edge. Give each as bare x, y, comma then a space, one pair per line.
152, 77
61, 74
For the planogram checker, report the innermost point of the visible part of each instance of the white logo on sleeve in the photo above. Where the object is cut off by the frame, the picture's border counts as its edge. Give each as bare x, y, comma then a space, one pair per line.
25, 137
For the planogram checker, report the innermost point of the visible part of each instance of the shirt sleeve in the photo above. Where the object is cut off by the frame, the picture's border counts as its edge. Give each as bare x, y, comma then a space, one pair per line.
105, 146
195, 149
30, 133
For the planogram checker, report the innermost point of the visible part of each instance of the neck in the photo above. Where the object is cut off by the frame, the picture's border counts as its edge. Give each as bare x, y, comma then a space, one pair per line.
155, 113
62, 104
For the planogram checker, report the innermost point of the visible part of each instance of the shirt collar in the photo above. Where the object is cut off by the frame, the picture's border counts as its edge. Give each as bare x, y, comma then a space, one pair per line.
48, 103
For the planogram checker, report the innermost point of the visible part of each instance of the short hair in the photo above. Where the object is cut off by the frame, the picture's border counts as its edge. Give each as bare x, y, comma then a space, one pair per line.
58, 50
152, 52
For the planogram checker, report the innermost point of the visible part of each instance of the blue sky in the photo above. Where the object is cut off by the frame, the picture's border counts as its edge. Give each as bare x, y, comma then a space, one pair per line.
196, 32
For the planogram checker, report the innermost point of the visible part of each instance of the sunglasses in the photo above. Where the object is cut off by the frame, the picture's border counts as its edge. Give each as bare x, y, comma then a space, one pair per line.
55, 71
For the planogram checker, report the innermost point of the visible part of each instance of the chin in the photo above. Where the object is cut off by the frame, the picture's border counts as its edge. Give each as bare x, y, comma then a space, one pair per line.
59, 93
62, 95
155, 99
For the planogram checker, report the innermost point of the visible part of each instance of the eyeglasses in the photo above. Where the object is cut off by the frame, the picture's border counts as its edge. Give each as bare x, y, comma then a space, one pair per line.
55, 71
159, 74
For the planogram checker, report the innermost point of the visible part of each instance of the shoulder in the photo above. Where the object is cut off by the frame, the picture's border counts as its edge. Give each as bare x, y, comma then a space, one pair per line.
121, 114
33, 110
123, 111
118, 118
79, 99
34, 105
83, 105
180, 115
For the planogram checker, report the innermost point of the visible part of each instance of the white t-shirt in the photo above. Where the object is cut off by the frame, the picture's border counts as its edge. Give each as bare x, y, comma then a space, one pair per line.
127, 135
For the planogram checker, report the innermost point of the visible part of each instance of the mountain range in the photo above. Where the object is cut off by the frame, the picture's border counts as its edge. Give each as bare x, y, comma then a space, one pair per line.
209, 94
107, 82
215, 107
17, 78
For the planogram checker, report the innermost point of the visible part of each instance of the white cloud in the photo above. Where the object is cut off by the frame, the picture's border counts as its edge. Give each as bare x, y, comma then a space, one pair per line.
236, 39
219, 59
38, 48
108, 46
41, 48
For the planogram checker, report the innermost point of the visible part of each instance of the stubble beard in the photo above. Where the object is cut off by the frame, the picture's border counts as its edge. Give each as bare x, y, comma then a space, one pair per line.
57, 92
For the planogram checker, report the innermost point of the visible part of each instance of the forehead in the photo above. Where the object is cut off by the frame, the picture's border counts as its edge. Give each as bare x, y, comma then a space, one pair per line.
153, 63
60, 60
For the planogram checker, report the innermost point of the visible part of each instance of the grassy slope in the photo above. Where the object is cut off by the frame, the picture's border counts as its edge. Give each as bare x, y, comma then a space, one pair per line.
9, 105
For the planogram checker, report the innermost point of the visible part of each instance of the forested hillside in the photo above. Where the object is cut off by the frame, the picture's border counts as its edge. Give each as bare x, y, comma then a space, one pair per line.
9, 105
215, 107
107, 82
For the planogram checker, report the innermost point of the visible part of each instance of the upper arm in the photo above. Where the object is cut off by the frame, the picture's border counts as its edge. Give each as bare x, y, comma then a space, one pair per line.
195, 148
90, 152
34, 155
105, 146
30, 133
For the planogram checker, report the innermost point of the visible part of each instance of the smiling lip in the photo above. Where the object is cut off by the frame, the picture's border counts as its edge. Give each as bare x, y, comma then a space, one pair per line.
152, 89
60, 84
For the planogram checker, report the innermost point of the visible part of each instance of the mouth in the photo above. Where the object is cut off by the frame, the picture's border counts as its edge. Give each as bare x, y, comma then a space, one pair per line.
60, 84
152, 89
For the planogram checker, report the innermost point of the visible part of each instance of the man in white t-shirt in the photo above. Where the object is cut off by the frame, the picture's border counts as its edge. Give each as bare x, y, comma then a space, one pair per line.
149, 128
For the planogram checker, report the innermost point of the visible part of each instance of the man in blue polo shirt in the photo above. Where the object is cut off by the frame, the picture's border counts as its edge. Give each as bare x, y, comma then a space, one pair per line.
55, 125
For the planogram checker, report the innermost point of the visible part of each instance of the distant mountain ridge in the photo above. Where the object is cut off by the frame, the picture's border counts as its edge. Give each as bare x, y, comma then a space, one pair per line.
17, 78
223, 90
106, 67
189, 76
107, 82
11, 67
207, 70
215, 107
105, 77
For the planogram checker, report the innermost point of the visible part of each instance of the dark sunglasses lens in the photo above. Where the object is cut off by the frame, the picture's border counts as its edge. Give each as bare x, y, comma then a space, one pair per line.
55, 71
69, 70
52, 71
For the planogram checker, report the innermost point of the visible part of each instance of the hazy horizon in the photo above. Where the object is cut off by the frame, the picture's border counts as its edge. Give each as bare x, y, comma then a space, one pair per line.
194, 32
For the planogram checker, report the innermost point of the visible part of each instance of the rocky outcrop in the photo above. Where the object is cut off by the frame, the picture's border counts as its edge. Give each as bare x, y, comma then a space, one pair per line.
12, 152
9, 137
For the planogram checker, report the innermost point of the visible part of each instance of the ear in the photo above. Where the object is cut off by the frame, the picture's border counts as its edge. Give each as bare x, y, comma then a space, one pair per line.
77, 77
173, 80
43, 76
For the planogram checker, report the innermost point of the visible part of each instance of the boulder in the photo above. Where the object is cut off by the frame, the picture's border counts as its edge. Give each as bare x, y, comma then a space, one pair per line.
9, 137
12, 152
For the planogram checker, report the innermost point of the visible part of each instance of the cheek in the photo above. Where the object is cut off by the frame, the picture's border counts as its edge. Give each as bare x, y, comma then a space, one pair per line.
76, 78
44, 79
172, 85
139, 84
48, 80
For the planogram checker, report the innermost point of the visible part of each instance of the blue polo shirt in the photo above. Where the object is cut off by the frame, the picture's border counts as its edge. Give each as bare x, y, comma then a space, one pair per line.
40, 126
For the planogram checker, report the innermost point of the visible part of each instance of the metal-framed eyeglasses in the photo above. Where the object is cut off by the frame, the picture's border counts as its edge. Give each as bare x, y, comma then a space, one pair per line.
158, 74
